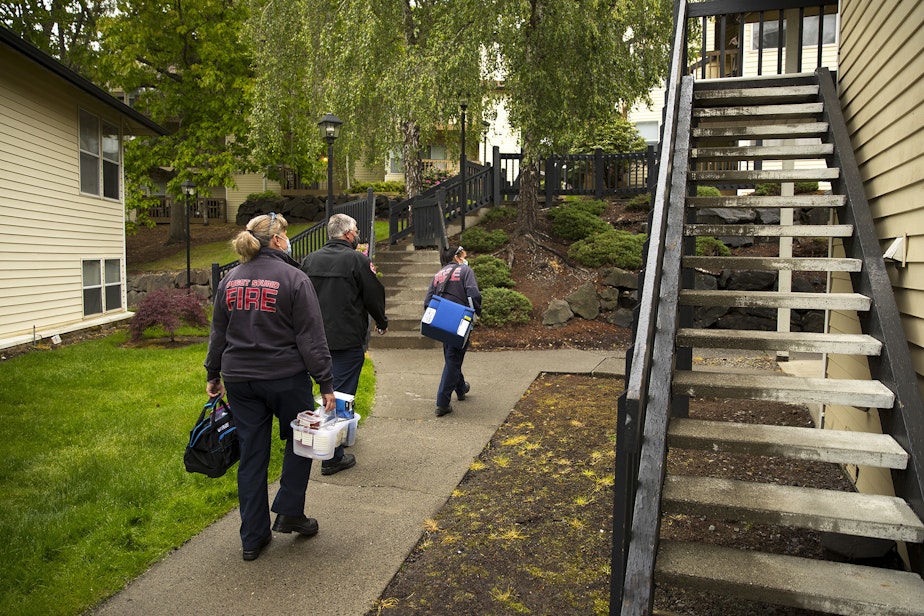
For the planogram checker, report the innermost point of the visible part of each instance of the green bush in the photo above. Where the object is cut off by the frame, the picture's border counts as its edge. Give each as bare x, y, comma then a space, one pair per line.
503, 306
266, 194
575, 223
391, 186
491, 272
498, 214
773, 188
613, 247
710, 246
639, 203
591, 206
707, 191
479, 239
168, 308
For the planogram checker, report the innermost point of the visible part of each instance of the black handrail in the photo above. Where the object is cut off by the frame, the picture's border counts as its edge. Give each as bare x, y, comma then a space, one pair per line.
313, 238
631, 411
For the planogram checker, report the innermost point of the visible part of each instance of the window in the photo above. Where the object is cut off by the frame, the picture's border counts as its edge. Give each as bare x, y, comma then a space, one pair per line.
771, 39
650, 131
102, 286
395, 164
100, 157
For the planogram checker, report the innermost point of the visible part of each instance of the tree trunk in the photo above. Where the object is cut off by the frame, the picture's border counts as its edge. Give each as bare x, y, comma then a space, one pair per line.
413, 175
528, 208
177, 221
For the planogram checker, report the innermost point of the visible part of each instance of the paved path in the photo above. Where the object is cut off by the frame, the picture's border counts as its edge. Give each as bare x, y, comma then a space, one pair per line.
371, 516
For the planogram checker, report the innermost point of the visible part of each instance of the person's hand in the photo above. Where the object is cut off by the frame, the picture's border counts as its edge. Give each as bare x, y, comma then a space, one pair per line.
381, 330
214, 388
330, 402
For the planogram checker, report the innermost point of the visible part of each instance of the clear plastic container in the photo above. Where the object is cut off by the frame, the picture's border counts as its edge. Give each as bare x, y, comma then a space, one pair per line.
320, 443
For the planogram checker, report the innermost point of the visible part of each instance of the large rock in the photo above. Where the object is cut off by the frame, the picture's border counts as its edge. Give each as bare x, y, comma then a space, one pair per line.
615, 277
584, 302
558, 313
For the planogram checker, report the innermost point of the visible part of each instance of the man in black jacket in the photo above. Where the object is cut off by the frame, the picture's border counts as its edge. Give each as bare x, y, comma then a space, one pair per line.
349, 292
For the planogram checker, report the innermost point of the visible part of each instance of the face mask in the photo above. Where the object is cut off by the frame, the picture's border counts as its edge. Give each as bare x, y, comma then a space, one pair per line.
464, 261
354, 242
288, 247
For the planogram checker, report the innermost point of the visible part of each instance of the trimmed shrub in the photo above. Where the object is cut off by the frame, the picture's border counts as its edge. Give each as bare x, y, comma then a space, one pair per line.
575, 223
479, 239
707, 191
773, 188
391, 186
640, 203
491, 272
710, 246
168, 308
500, 307
498, 214
613, 247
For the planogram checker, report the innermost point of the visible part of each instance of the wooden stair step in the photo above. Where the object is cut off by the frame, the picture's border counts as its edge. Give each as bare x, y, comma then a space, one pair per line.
832, 511
757, 201
776, 152
758, 176
765, 131
760, 112
774, 299
770, 94
810, 444
862, 394
802, 342
750, 230
790, 580
794, 264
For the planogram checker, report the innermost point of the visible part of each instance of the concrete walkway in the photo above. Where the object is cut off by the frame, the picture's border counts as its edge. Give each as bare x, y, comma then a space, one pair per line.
371, 516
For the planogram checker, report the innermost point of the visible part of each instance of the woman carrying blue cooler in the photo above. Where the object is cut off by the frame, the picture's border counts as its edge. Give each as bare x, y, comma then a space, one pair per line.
459, 285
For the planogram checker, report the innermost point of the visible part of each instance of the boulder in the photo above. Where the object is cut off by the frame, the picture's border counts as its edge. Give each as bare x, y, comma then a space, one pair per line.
558, 313
584, 302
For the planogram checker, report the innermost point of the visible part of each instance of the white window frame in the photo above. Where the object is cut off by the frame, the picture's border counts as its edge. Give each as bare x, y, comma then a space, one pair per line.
102, 286
809, 32
100, 146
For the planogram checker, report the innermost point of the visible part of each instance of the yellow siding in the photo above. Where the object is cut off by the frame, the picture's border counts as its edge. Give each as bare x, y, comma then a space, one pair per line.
364, 173
247, 184
48, 226
881, 85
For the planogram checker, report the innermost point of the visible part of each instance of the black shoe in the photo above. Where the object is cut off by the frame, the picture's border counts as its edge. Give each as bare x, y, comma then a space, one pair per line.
465, 389
253, 553
443, 410
347, 461
300, 524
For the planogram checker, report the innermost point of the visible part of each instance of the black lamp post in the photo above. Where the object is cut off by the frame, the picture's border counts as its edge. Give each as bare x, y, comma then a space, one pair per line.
463, 199
330, 129
189, 188
486, 126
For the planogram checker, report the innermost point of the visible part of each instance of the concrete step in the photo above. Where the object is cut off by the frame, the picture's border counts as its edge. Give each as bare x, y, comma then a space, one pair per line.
765, 131
760, 112
794, 264
849, 513
413, 280
402, 294
768, 230
766, 175
779, 152
773, 299
812, 444
776, 388
768, 95
756, 201
788, 580
402, 340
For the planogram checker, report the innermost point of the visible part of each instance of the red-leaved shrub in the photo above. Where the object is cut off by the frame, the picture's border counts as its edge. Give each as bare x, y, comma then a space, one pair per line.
168, 308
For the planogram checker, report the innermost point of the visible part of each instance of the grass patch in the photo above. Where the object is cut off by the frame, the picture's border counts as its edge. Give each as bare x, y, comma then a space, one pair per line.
94, 488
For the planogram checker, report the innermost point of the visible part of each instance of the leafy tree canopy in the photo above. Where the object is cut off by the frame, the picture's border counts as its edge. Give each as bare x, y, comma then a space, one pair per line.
188, 70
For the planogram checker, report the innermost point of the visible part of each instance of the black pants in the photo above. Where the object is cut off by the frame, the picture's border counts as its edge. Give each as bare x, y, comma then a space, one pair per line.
253, 404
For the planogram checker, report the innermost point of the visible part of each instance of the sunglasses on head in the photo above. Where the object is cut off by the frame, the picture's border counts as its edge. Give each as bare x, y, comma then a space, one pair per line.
460, 250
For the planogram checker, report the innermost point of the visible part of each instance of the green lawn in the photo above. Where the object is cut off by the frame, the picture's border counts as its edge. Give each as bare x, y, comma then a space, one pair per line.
94, 488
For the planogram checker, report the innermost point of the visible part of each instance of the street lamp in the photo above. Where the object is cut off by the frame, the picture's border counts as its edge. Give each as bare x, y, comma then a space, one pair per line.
330, 129
486, 125
189, 189
463, 200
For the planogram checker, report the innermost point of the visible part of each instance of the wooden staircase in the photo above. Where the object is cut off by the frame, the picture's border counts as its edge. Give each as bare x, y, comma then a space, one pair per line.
406, 275
729, 125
